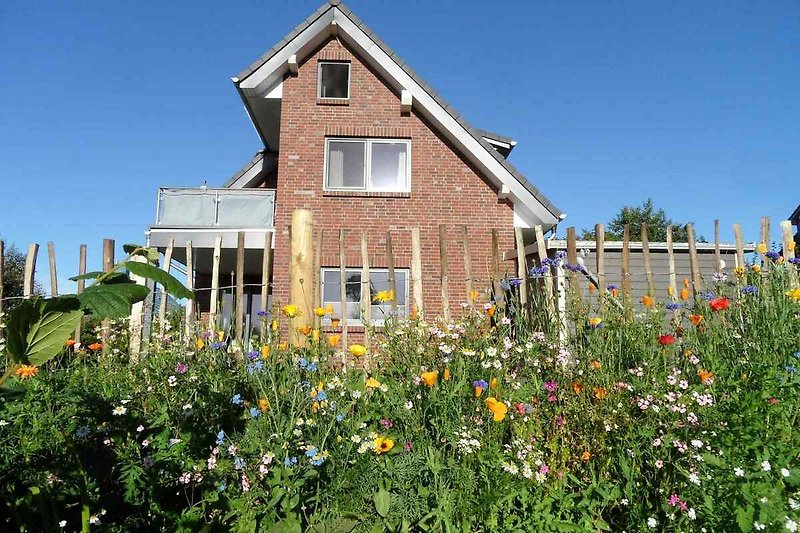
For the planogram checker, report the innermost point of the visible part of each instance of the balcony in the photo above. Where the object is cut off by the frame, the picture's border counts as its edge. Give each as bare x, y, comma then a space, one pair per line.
201, 214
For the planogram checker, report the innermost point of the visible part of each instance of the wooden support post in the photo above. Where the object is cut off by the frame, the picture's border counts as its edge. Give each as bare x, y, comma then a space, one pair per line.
648, 267
737, 235
499, 298
541, 248
765, 236
137, 315
302, 275
390, 268
266, 272
717, 253
443, 278
626, 272
600, 263
673, 282
2, 280
788, 252
81, 286
522, 273
214, 304
239, 313
561, 305
572, 260
416, 271
468, 266
51, 253
317, 294
190, 286
162, 303
693, 262
343, 296
366, 292
108, 265
30, 271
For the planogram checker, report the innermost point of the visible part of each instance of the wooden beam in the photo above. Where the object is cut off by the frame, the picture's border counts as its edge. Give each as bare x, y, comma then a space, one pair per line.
266, 274
498, 293
239, 307
522, 273
390, 268
81, 286
600, 262
416, 270
292, 64
190, 286
693, 261
366, 290
648, 268
302, 275
108, 265
343, 296
214, 305
548, 277
443, 278
51, 253
673, 281
30, 271
137, 315
317, 268
788, 252
162, 304
626, 272
468, 266
737, 235
406, 101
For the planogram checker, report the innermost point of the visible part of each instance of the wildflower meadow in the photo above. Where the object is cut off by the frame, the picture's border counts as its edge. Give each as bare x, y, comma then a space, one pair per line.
681, 416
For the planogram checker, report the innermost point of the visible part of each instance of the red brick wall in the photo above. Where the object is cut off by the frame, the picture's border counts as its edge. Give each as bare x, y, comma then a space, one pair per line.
445, 188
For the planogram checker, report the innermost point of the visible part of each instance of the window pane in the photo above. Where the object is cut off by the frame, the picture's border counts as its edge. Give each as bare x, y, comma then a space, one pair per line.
331, 288
389, 165
334, 80
346, 164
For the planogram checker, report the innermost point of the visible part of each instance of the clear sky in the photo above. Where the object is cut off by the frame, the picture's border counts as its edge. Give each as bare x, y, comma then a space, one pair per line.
696, 104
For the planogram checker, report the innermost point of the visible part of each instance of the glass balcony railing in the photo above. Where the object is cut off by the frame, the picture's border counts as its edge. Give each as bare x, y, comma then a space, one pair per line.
220, 208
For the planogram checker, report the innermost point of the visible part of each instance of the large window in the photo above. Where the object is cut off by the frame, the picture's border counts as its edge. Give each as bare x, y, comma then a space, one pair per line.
378, 281
334, 80
368, 164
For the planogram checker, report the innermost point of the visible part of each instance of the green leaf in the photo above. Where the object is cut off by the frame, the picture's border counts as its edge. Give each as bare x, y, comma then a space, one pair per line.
38, 329
172, 285
88, 275
112, 301
115, 277
382, 499
744, 518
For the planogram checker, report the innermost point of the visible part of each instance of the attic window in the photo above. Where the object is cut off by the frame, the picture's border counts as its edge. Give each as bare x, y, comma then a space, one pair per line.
334, 80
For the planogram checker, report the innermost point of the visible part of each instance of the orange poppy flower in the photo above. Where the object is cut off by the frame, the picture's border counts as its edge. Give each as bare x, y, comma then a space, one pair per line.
304, 330
577, 388
430, 378
27, 371
595, 364
696, 319
705, 376
335, 322
686, 283
446, 374
263, 404
599, 392
719, 304
498, 409
585, 456
70, 343
666, 340
684, 294
493, 383
647, 301
333, 340
95, 346
490, 311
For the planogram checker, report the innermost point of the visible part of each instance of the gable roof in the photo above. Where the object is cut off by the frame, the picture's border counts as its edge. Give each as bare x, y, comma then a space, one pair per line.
530, 205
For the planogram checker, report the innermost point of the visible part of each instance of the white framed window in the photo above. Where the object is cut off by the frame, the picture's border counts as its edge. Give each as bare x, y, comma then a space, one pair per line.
367, 164
378, 281
333, 80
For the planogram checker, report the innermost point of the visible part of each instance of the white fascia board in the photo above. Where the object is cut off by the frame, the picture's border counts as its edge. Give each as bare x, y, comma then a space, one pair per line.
497, 143
532, 212
258, 83
276, 91
247, 178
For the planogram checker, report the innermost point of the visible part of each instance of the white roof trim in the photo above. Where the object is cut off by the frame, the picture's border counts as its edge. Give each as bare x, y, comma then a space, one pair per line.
528, 210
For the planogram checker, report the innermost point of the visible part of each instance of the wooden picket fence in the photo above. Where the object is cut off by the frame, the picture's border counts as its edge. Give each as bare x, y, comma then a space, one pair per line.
550, 287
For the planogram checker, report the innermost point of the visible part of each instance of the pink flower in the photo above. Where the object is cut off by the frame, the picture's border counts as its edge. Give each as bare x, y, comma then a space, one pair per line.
552, 398
181, 368
544, 469
408, 446
659, 463
674, 500
551, 386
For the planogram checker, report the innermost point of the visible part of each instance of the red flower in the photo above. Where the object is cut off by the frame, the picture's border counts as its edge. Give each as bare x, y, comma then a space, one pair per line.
719, 304
773, 401
666, 340
520, 407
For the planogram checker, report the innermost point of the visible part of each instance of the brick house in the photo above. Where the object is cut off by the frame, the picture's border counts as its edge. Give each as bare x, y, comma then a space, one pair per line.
353, 134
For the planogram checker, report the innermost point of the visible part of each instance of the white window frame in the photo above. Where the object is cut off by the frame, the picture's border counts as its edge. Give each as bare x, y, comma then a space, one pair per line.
319, 79
376, 320
368, 144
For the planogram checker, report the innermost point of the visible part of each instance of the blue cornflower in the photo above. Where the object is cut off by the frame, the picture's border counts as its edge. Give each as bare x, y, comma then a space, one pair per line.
612, 287
772, 254
796, 355
340, 417
254, 355
263, 314
82, 432
561, 254
218, 345
795, 260
791, 369
514, 282
318, 461
311, 452
222, 487
504, 286
672, 306
321, 395
220, 437
708, 296
254, 412
574, 268
304, 384
312, 367
252, 367
749, 289
238, 463
302, 362
538, 272
480, 383
236, 399
289, 461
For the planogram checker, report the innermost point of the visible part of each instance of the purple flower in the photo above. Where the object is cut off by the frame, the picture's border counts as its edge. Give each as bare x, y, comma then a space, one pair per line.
672, 306
514, 282
550, 386
254, 355
552, 398
795, 260
574, 268
218, 345
559, 420
408, 446
749, 289
181, 368
263, 314
385, 422
538, 272
612, 287
772, 254
480, 383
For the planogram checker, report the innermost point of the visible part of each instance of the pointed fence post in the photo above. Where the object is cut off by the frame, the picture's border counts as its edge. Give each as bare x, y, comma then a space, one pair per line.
343, 295
390, 269
788, 252
302, 275
673, 282
648, 268
416, 271
190, 286
626, 272
522, 273
717, 253
51, 253
499, 298
548, 277
239, 318
137, 315
467, 266
214, 304
600, 263
693, 262
765, 237
737, 235
108, 265
81, 286
317, 268
162, 302
266, 271
30, 271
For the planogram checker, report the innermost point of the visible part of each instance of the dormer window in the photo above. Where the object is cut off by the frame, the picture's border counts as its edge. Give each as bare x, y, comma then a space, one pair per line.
334, 80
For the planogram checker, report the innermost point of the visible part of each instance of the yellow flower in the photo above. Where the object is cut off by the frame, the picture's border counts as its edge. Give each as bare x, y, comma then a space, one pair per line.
373, 383
473, 295
794, 294
383, 296
27, 371
315, 335
320, 311
265, 351
671, 290
333, 340
263, 404
739, 271
757, 269
304, 330
221, 336
274, 325
329, 309
357, 350
599, 393
283, 345
493, 383
498, 409
290, 310
199, 344
446, 374
430, 378
595, 321
383, 445
790, 246
761, 248
335, 321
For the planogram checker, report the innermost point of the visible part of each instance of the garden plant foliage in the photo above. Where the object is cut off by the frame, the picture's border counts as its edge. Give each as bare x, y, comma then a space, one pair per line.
683, 418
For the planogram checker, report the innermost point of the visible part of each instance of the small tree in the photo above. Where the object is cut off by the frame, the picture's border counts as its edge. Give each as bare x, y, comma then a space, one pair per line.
656, 220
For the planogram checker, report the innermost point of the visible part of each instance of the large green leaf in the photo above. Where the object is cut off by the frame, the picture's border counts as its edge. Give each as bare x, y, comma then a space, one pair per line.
150, 253
38, 329
382, 501
114, 277
172, 285
112, 301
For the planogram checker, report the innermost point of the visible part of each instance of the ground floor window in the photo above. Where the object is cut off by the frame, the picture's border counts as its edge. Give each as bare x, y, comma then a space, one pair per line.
378, 283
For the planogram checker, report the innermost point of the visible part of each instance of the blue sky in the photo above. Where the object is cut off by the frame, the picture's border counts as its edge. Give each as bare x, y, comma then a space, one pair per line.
693, 103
